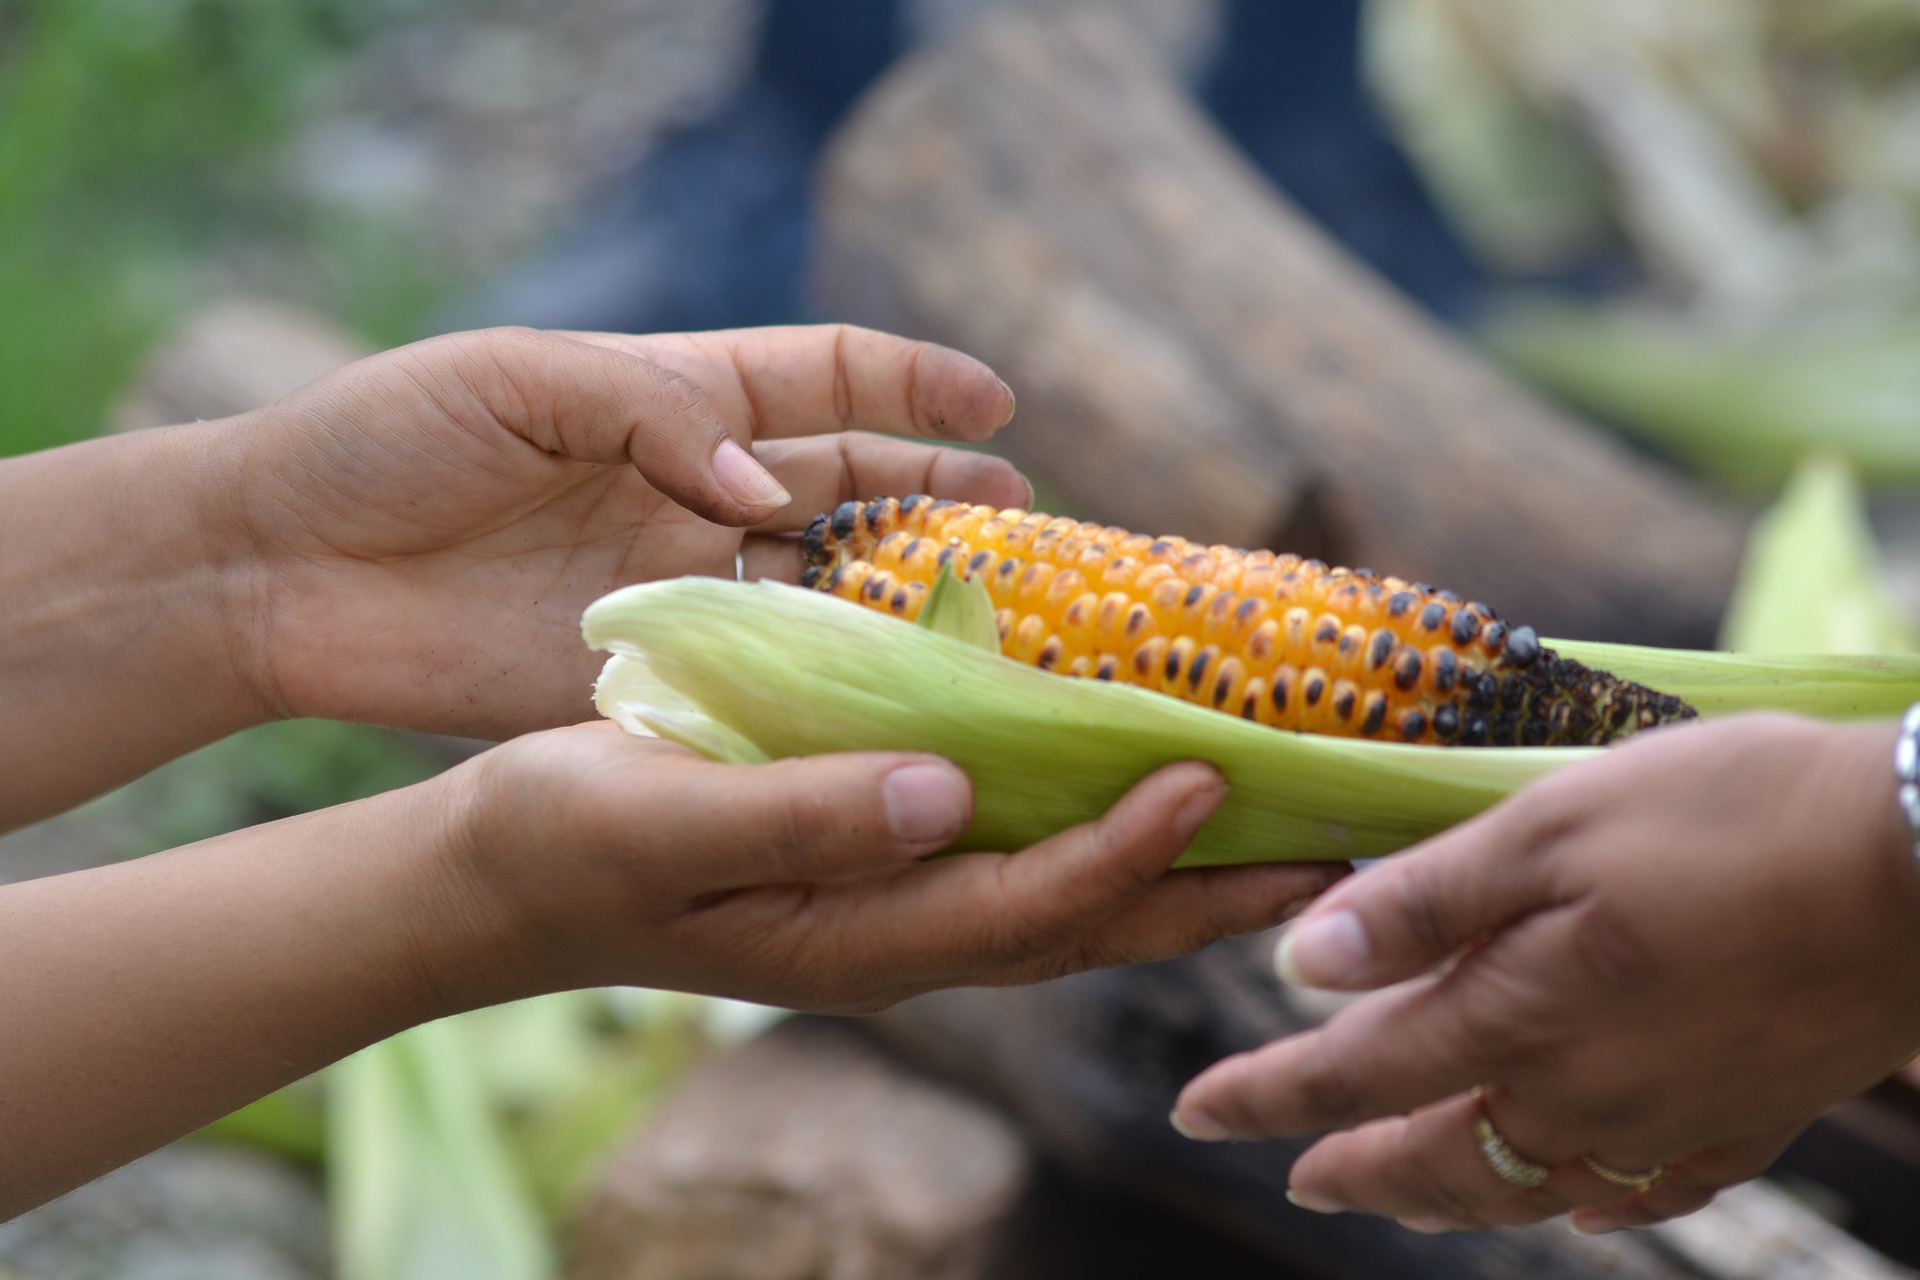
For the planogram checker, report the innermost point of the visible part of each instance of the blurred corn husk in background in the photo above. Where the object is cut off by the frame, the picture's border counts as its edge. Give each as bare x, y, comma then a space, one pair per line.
1759, 159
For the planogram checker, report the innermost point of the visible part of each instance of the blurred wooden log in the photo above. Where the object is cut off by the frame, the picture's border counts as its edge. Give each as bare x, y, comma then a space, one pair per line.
1192, 356
807, 1155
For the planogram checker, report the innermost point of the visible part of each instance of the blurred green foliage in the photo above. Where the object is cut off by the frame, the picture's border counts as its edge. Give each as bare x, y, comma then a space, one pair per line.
141, 166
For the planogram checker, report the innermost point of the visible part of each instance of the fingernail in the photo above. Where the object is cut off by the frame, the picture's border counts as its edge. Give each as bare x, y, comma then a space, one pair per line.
1196, 809
751, 484
1323, 950
925, 803
1425, 1226
1011, 405
1593, 1224
1311, 1203
1199, 1126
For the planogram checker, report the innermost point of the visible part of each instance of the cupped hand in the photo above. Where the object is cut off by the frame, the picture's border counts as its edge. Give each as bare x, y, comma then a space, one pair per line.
426, 526
1671, 958
604, 858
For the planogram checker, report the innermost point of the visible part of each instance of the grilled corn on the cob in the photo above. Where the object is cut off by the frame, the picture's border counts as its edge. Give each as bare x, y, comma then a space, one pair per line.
1286, 642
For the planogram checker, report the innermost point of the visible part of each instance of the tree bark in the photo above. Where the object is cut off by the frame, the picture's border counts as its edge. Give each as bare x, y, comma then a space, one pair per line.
1193, 357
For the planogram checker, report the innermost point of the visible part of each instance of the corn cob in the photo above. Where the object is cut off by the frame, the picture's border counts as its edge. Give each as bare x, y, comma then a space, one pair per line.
1280, 640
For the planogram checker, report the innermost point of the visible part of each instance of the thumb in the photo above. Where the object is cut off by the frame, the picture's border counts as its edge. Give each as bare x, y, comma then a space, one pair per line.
592, 403
1410, 914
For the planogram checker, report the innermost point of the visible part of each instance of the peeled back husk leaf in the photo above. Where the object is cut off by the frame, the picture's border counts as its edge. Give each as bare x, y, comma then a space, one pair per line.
747, 672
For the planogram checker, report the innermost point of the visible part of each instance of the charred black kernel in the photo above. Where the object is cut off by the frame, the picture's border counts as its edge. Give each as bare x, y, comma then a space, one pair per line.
1316, 685
1359, 572
978, 561
1376, 715
1434, 616
1198, 671
1473, 730
1008, 565
1542, 704
874, 512
1513, 693
1221, 688
1280, 692
913, 545
1194, 593
1494, 636
1159, 547
1483, 691
1523, 646
1107, 668
1401, 602
1347, 643
1446, 670
1173, 664
835, 578
1327, 632
913, 502
1050, 654
1406, 668
1466, 625
1450, 597
941, 504
1249, 706
1413, 725
1246, 610
1580, 724
876, 588
845, 519
1534, 732
1142, 661
1343, 703
1446, 721
813, 543
1139, 618
1506, 729
900, 600
1380, 649
810, 576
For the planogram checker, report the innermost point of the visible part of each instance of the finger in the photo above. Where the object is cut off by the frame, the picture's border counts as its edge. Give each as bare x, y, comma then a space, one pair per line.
1690, 1184
821, 472
794, 821
1411, 913
1429, 1167
961, 919
801, 380
1384, 1055
591, 403
1187, 910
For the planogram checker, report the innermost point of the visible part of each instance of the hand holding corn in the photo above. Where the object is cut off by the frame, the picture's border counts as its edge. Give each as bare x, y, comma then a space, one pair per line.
410, 541
1677, 954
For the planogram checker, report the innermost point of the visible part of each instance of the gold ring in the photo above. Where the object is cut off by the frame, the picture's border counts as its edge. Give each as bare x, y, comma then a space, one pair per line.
1514, 1169
1638, 1181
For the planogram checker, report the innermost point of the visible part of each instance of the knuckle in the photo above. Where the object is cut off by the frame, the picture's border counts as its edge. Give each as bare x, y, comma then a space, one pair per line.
1423, 910
1611, 949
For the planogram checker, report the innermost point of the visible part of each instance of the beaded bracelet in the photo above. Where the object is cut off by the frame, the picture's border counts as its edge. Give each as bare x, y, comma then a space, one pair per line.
1906, 768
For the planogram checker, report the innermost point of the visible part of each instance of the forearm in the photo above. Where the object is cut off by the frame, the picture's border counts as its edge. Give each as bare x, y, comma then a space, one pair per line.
146, 999
119, 631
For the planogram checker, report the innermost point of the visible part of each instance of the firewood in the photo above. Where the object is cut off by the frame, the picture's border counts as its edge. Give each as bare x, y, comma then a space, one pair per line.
1193, 357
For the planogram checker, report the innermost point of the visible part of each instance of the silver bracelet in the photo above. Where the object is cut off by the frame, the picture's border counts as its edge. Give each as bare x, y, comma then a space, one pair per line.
1906, 768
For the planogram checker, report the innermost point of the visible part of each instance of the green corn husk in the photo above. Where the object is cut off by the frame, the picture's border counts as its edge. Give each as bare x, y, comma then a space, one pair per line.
748, 672
751, 671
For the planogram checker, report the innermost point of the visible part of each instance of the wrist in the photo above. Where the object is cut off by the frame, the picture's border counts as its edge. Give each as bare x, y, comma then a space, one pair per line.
123, 584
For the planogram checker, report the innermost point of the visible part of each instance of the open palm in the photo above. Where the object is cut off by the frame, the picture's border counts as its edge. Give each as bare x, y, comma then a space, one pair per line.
430, 523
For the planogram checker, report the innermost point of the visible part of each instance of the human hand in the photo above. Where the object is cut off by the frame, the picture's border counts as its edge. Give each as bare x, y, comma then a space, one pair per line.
1674, 956
602, 858
426, 526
